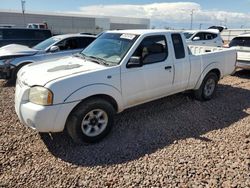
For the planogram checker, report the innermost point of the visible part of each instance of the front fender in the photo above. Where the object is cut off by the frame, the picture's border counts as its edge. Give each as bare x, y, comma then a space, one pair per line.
96, 89
210, 67
18, 62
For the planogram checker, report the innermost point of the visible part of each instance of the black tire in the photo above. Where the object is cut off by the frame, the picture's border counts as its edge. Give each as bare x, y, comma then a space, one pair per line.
14, 73
75, 119
201, 94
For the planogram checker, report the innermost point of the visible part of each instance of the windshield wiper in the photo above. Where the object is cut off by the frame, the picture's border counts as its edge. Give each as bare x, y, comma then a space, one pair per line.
80, 55
98, 60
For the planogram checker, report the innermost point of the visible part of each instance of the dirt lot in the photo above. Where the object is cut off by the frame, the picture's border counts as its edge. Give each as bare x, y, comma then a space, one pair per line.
172, 142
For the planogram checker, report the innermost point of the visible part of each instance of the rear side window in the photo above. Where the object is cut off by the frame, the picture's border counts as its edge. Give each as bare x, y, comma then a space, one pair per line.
210, 36
1, 34
240, 41
200, 35
83, 42
178, 46
205, 36
152, 49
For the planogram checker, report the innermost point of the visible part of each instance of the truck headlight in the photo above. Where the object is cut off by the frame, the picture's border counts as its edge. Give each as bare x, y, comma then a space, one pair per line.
41, 95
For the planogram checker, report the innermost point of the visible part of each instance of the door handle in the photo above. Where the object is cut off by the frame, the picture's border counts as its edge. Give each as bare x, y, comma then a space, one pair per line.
168, 67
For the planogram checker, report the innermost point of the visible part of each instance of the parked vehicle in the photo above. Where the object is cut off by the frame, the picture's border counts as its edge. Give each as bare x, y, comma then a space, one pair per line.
23, 36
119, 70
242, 45
13, 56
37, 25
218, 27
210, 37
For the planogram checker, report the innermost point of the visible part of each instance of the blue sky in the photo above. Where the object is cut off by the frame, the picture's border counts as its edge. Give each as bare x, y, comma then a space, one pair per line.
231, 12
73, 5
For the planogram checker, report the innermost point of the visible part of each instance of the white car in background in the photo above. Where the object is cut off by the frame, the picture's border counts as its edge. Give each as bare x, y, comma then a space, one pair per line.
210, 37
242, 45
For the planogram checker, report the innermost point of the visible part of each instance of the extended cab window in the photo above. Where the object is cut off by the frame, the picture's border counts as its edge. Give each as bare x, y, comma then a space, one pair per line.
178, 46
152, 49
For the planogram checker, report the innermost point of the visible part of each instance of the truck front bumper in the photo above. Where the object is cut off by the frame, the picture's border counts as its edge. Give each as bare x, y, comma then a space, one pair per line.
40, 118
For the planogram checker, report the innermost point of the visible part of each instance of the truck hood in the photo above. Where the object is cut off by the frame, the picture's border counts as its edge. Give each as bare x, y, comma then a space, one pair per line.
16, 50
42, 73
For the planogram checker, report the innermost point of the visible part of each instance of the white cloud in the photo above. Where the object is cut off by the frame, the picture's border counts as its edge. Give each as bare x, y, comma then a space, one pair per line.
170, 14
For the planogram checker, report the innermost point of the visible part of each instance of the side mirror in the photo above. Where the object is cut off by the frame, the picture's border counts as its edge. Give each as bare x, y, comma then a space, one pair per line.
134, 61
54, 49
196, 38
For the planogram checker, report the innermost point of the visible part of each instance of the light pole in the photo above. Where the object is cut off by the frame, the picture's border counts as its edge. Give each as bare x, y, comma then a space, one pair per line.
200, 25
23, 11
192, 14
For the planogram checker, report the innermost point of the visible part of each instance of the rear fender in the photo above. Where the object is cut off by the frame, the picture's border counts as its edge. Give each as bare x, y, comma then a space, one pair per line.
210, 67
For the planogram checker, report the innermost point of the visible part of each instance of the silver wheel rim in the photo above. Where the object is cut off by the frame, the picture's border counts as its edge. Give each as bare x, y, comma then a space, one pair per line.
94, 122
209, 87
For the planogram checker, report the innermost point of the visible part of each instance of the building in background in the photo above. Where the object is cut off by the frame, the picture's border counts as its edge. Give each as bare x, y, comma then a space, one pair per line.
60, 23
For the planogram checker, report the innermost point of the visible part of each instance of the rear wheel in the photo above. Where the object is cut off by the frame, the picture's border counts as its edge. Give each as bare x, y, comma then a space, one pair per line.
91, 121
207, 88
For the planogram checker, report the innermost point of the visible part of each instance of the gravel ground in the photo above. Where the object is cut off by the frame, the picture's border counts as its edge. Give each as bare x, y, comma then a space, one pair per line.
172, 142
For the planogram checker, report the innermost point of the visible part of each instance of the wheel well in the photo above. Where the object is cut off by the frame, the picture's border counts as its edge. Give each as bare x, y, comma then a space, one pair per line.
102, 96
108, 98
21, 65
216, 71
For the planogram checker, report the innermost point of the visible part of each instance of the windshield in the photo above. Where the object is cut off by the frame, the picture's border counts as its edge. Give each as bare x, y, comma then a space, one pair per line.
110, 47
46, 43
188, 35
240, 41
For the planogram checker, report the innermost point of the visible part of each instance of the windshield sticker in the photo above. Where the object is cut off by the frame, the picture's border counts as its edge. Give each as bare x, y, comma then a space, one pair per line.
127, 36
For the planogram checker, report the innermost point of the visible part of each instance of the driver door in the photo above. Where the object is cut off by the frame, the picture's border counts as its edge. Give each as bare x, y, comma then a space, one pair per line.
153, 78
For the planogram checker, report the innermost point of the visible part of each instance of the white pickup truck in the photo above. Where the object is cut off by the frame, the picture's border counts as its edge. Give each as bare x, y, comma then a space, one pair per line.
120, 69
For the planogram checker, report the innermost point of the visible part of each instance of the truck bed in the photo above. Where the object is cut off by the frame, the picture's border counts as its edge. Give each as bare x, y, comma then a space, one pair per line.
202, 57
197, 50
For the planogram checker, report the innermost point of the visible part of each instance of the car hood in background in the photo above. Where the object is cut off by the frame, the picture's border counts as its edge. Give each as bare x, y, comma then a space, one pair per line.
16, 50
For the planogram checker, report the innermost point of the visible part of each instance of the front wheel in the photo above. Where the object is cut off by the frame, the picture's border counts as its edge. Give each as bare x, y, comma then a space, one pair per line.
91, 121
207, 88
